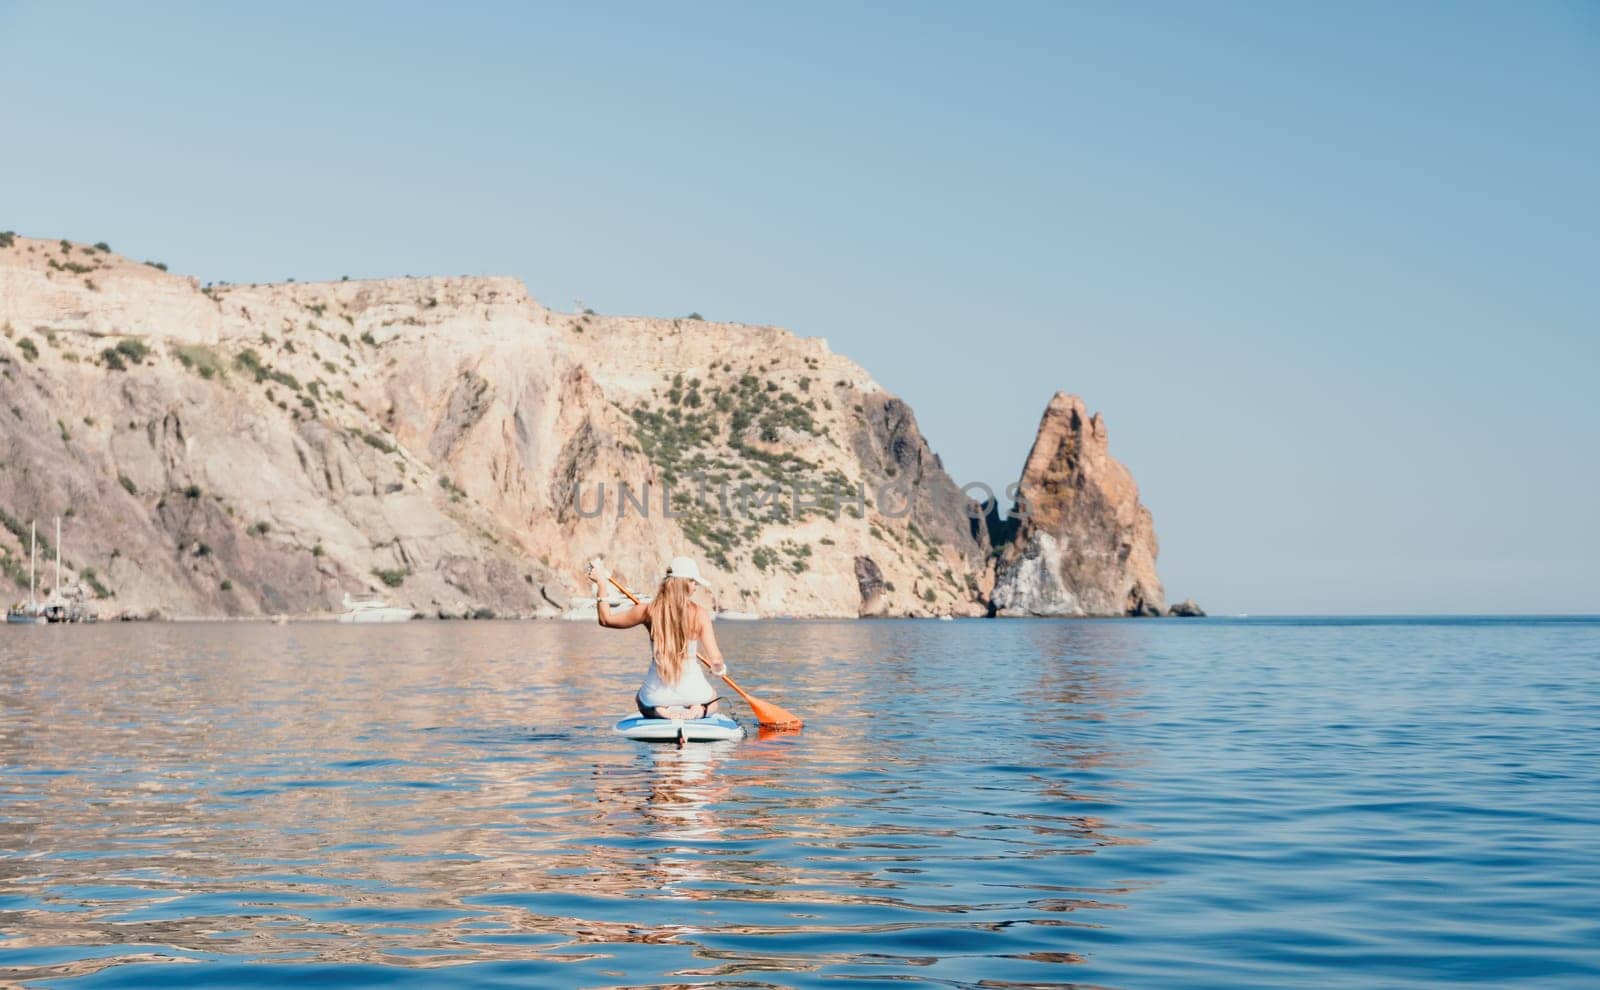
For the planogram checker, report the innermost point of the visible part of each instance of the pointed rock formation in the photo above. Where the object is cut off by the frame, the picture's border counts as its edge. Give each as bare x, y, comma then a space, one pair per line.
1086, 546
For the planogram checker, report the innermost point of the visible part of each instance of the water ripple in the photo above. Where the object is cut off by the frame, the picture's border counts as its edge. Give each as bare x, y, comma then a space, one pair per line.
1276, 803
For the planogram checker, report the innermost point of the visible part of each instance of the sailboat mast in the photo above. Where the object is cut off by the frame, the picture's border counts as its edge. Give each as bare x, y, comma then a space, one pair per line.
33, 561
56, 592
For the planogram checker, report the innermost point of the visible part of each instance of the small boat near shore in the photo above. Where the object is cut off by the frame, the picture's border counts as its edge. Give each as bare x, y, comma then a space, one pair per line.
29, 612
68, 610
587, 609
374, 610
59, 607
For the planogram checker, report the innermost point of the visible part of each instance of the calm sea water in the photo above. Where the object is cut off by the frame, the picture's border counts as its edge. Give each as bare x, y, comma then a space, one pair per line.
1272, 803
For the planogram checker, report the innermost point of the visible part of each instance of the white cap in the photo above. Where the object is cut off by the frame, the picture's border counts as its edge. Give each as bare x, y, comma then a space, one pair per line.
685, 567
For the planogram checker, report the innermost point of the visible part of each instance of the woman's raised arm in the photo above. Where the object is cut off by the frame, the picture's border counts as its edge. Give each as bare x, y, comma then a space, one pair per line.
625, 619
598, 573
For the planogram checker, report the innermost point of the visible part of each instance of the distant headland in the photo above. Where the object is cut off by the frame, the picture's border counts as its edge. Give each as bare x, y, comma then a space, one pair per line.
456, 447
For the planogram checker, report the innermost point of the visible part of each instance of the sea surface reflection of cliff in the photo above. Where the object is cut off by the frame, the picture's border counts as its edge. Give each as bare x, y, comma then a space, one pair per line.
432, 795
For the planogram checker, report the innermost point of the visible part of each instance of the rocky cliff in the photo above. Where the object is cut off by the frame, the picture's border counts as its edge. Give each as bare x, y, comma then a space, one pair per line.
459, 448
1087, 546
243, 450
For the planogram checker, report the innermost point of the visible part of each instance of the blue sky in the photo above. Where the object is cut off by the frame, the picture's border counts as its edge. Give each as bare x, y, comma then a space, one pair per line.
1327, 269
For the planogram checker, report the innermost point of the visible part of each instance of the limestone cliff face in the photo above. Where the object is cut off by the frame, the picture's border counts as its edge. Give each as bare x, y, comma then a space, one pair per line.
243, 450
228, 454
1088, 547
457, 447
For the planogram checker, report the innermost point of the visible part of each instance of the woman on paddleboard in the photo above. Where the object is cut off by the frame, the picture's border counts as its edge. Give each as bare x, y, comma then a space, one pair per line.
675, 685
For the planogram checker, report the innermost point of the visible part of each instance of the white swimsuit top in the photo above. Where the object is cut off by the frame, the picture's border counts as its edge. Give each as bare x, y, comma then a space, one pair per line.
692, 687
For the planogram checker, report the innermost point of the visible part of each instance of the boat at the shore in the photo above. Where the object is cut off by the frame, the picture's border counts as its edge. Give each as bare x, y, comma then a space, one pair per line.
59, 607
29, 612
587, 609
26, 614
374, 610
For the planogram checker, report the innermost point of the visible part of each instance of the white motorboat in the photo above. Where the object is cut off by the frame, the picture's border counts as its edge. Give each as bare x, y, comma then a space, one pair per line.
587, 609
374, 610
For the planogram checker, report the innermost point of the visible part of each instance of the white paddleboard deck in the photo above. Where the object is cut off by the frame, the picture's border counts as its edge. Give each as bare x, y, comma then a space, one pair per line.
712, 729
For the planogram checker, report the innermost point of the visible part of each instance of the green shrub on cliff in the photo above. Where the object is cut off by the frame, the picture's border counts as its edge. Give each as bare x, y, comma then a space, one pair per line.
29, 349
393, 577
250, 361
133, 350
379, 443
21, 532
200, 359
14, 570
799, 555
92, 578
284, 378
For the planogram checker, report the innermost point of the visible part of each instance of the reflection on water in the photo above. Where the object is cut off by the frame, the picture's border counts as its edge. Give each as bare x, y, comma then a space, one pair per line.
1003, 803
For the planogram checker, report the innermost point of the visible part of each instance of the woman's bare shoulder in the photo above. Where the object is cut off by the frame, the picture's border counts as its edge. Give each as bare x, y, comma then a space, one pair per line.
702, 615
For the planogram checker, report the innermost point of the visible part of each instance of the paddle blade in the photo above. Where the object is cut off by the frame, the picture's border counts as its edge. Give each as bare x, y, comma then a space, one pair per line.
768, 715
768, 732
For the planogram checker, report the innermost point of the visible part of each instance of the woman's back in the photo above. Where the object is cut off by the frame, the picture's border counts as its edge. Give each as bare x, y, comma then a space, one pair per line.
691, 687
675, 685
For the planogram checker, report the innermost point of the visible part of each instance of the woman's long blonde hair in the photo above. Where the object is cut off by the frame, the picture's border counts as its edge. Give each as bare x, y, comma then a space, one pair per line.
669, 616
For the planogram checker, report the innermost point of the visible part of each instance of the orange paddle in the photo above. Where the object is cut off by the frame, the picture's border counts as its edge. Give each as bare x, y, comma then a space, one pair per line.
768, 715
